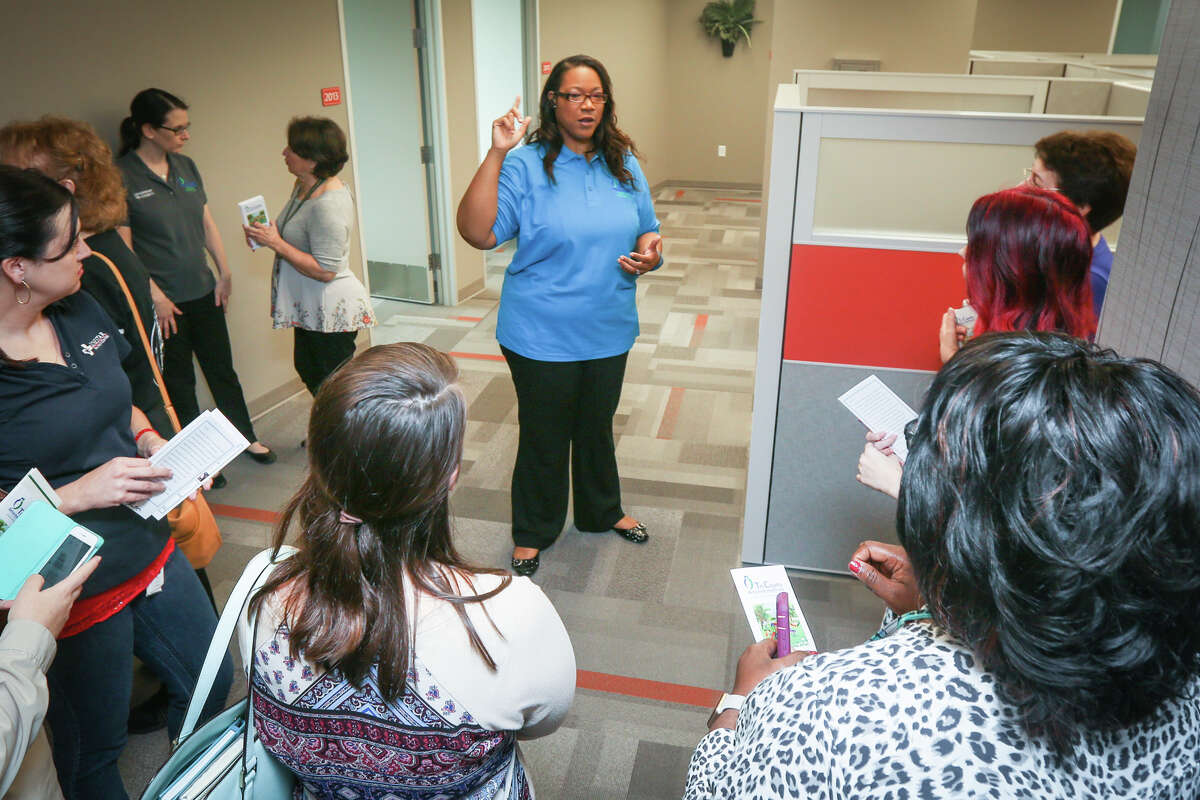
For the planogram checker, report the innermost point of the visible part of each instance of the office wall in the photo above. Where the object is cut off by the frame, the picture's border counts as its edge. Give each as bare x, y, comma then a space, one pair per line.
239, 67
712, 100
1057, 25
628, 37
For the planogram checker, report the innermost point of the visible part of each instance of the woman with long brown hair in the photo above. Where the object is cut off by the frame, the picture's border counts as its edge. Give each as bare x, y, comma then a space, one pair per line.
580, 208
377, 621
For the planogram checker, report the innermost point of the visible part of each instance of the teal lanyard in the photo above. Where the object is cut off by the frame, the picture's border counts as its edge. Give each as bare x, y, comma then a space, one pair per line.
899, 622
292, 211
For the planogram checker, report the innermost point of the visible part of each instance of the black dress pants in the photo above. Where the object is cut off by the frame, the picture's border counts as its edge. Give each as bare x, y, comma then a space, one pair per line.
316, 355
201, 330
565, 410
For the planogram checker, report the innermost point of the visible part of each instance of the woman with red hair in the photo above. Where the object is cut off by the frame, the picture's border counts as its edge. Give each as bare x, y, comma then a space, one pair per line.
1026, 265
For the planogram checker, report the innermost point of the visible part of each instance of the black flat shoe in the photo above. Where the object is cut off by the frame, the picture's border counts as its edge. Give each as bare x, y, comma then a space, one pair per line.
268, 457
525, 567
637, 534
219, 481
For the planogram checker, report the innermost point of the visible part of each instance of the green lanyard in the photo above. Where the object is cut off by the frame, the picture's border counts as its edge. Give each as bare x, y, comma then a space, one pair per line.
292, 212
899, 622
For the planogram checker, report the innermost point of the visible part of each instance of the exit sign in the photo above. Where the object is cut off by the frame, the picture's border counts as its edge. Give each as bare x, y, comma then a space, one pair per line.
331, 96
545, 67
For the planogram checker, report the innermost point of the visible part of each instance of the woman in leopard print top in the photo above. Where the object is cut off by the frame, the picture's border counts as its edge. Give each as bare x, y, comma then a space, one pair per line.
1049, 509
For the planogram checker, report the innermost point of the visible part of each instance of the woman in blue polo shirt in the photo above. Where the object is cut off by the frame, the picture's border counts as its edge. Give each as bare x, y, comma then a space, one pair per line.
580, 207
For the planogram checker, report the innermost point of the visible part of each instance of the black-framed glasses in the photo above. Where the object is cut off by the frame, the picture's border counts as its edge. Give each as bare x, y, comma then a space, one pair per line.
599, 98
178, 130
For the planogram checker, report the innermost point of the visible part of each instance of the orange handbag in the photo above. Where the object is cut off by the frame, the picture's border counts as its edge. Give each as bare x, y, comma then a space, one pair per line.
193, 525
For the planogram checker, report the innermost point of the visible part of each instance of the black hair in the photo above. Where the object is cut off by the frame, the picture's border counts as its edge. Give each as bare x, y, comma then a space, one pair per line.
319, 139
1094, 169
148, 107
29, 204
608, 140
1050, 505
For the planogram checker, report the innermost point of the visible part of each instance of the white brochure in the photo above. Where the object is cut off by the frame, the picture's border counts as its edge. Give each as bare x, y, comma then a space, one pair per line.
881, 410
254, 210
757, 588
196, 453
33, 488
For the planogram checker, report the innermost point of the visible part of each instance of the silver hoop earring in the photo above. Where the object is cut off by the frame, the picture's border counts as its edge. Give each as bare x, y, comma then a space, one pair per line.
28, 296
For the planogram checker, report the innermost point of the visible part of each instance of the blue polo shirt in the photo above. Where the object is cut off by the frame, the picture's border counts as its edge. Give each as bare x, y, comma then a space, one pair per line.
565, 297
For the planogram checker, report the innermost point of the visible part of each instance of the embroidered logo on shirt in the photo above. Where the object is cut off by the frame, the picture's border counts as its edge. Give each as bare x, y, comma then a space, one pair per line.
188, 186
143, 194
91, 347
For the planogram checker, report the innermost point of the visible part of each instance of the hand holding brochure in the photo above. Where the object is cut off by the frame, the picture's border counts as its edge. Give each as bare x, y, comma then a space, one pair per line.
254, 210
880, 409
196, 453
758, 588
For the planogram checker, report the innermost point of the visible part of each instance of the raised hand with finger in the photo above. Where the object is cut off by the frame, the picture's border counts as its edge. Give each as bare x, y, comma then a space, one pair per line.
508, 130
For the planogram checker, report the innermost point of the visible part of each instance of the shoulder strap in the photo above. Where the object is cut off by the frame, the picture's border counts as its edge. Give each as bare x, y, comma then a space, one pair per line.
253, 576
137, 320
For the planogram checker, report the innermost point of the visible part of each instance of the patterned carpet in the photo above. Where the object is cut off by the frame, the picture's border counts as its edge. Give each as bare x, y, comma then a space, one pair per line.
656, 629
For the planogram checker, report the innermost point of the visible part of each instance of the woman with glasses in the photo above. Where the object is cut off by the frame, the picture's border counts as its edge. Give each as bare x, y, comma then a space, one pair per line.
170, 228
580, 208
1047, 643
1026, 265
313, 291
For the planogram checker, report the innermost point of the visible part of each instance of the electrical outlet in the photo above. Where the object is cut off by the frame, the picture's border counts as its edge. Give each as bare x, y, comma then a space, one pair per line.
720, 151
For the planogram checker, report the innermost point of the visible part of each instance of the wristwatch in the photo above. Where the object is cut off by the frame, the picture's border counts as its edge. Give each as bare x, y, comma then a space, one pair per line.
727, 702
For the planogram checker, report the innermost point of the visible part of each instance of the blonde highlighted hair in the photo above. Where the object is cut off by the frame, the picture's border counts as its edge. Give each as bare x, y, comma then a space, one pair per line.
67, 149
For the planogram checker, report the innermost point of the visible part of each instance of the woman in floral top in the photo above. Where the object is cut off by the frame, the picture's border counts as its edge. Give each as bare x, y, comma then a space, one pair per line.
313, 290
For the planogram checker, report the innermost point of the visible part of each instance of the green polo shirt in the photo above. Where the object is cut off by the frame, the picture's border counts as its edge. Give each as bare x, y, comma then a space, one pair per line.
167, 220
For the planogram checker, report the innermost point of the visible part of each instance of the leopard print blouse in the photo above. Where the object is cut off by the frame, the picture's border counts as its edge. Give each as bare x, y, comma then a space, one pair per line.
913, 716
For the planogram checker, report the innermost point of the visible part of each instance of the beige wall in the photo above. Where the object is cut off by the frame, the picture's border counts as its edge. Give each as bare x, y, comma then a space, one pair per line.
712, 100
244, 68
634, 53
1057, 25
458, 56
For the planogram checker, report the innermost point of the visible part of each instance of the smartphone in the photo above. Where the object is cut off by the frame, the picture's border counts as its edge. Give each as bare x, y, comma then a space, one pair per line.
70, 555
783, 626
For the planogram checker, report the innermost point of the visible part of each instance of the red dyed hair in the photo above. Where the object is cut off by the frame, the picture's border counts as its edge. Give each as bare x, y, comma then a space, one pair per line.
1028, 255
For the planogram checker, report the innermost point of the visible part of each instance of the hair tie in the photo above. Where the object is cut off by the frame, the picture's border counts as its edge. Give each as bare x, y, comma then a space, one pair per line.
348, 519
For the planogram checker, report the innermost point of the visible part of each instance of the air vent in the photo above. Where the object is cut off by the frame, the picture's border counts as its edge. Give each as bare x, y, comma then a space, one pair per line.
856, 64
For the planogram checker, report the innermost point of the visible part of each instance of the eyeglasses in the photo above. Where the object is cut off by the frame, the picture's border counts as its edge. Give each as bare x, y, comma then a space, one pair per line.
178, 130
599, 98
1035, 180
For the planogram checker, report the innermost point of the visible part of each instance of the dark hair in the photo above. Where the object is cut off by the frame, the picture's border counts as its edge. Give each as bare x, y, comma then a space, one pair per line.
1049, 505
62, 149
1093, 168
609, 141
1029, 252
318, 139
384, 441
29, 203
149, 107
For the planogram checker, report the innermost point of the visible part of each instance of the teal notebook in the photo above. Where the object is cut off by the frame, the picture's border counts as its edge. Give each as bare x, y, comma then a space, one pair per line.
42, 541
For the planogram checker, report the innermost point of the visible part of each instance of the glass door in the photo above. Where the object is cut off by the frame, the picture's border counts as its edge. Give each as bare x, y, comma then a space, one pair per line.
386, 48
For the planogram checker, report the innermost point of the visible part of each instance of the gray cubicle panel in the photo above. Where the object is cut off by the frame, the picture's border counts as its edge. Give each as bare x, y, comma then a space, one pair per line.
817, 511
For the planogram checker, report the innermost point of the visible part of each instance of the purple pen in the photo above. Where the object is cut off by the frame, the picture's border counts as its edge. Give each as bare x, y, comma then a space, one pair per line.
783, 626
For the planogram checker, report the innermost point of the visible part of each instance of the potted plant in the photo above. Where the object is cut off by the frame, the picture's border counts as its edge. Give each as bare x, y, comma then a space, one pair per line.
729, 21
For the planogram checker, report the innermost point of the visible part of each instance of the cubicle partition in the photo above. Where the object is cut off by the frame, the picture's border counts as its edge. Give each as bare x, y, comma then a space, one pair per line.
866, 212
1099, 96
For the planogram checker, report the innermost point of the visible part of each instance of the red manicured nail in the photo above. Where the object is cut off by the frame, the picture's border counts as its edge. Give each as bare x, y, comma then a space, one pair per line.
854, 566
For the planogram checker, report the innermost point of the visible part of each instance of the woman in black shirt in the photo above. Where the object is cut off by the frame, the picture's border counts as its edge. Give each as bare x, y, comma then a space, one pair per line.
66, 408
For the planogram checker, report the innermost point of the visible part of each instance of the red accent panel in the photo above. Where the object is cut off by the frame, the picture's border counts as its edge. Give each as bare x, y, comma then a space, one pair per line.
869, 307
